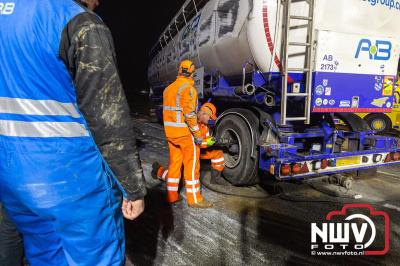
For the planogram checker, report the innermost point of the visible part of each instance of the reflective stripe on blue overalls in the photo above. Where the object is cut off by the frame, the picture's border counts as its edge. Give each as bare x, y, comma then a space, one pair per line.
54, 183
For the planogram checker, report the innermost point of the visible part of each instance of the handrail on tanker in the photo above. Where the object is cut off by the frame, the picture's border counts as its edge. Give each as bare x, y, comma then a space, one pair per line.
188, 10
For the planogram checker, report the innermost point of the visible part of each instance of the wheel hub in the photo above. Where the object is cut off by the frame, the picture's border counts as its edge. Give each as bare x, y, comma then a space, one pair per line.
233, 157
378, 124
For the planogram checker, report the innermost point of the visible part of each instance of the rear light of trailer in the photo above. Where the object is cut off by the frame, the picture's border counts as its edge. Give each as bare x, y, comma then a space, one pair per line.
388, 158
392, 157
272, 169
305, 169
324, 164
285, 170
296, 168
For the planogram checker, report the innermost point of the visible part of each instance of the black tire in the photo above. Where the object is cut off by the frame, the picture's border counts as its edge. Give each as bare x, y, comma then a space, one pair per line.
353, 121
384, 120
240, 169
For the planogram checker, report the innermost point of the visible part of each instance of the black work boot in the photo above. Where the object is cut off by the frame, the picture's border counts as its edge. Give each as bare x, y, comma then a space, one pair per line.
216, 177
155, 167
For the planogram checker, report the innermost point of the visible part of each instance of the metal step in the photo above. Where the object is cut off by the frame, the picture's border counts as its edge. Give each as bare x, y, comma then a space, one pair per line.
299, 44
297, 94
292, 119
301, 18
307, 69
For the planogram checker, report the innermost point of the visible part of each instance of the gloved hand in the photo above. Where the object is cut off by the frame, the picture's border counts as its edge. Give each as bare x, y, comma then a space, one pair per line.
211, 141
198, 141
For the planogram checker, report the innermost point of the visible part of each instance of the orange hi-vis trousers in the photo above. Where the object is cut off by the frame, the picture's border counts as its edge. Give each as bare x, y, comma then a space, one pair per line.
216, 157
183, 151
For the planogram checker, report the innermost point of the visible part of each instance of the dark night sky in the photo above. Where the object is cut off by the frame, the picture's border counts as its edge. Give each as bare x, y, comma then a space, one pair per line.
135, 30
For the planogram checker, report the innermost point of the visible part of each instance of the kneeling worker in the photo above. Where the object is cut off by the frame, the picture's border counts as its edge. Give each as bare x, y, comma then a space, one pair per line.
184, 137
208, 152
208, 147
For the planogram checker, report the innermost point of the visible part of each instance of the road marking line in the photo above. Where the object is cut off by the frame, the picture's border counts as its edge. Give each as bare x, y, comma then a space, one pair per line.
390, 174
393, 207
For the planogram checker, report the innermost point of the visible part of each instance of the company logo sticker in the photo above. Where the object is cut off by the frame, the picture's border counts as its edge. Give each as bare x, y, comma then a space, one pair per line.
325, 102
380, 102
380, 50
318, 101
328, 91
388, 86
378, 83
319, 90
345, 104
355, 102
332, 102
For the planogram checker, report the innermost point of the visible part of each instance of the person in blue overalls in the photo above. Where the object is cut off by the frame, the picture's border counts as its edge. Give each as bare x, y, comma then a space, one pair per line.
69, 167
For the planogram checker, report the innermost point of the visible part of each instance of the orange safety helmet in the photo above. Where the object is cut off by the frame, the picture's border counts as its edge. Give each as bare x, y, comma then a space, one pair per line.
186, 68
210, 109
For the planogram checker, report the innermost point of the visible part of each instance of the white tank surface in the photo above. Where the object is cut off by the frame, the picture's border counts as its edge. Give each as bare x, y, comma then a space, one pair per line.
224, 35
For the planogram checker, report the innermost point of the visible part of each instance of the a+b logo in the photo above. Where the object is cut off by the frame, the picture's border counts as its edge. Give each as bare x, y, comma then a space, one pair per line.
7, 8
380, 50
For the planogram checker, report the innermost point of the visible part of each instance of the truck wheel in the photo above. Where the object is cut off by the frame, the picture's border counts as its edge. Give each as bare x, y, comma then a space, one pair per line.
240, 168
379, 122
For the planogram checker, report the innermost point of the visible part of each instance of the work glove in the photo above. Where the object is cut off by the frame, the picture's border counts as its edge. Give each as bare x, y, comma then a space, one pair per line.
198, 141
211, 141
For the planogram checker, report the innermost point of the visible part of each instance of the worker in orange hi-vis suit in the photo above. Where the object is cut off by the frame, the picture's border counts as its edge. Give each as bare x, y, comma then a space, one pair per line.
184, 137
207, 111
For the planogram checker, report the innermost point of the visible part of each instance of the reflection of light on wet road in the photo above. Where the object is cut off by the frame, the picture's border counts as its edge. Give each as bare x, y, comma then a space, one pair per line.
393, 207
395, 176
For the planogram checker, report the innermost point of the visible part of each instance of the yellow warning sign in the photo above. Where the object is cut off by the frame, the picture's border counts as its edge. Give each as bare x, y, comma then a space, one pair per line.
388, 86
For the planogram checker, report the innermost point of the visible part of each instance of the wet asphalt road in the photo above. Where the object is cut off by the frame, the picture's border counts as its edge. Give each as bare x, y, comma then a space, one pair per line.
274, 230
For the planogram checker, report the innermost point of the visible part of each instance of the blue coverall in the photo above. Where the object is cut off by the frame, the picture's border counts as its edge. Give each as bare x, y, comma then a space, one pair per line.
54, 183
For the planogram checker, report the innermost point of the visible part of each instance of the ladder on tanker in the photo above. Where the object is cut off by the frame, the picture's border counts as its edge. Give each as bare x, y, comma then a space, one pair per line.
307, 70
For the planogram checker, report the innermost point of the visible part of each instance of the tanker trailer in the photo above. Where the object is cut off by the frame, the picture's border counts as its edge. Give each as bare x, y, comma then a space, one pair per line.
282, 73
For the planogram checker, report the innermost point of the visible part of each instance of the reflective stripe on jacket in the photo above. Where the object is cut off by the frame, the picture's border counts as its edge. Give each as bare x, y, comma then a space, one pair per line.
37, 94
205, 133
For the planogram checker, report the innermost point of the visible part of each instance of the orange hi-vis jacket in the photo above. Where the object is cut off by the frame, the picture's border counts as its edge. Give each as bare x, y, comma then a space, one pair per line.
216, 156
179, 110
205, 133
